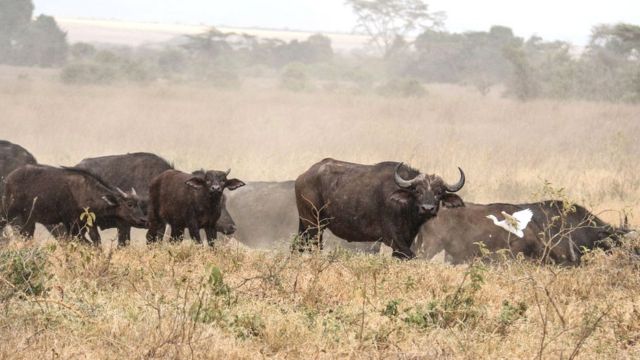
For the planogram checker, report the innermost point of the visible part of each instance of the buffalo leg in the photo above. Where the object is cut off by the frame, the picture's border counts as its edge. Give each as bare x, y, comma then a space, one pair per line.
94, 235
211, 233
156, 229
152, 233
194, 232
401, 251
124, 234
17, 220
28, 229
177, 232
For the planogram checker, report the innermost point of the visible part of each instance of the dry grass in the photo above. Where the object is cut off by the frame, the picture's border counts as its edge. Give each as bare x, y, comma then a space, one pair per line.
183, 301
144, 302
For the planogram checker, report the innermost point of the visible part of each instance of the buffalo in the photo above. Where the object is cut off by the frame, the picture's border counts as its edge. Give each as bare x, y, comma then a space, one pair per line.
135, 171
385, 202
267, 216
50, 196
558, 232
192, 201
12, 156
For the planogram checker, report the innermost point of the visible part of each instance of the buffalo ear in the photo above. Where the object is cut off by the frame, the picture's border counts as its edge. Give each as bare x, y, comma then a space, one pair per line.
452, 201
111, 200
196, 182
401, 197
233, 184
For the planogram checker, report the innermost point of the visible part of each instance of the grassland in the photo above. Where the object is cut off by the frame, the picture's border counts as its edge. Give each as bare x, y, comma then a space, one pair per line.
181, 301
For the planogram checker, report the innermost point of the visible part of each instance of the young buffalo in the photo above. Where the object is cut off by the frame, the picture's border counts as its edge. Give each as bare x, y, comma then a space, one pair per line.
192, 201
51, 196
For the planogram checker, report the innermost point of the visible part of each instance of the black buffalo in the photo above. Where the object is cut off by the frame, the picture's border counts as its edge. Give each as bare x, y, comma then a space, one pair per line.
135, 171
192, 201
51, 196
267, 217
385, 202
558, 232
12, 156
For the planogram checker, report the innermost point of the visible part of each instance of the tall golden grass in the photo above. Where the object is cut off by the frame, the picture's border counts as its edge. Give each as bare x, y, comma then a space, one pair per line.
507, 148
182, 301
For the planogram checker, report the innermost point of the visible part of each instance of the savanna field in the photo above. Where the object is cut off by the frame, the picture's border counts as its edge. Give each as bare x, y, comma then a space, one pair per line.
66, 300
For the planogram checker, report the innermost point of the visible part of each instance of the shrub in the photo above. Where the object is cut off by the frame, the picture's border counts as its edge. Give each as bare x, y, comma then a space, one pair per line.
248, 325
82, 50
24, 273
402, 87
87, 73
295, 78
454, 309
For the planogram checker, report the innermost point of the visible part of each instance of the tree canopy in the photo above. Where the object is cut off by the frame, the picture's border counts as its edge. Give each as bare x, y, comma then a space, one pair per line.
386, 20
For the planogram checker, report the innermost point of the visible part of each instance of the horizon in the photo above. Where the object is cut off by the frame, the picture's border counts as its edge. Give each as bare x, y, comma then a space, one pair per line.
332, 16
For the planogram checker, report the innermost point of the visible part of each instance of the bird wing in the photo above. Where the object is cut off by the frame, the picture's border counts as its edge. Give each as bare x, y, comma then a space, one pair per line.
523, 217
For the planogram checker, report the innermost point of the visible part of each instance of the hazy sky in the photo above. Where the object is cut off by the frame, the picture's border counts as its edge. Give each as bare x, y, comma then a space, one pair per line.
551, 19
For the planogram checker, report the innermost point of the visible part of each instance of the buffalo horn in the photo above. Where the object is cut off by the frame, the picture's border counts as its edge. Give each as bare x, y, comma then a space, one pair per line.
457, 186
400, 181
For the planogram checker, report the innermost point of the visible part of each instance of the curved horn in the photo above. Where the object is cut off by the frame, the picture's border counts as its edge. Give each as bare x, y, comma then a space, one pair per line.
457, 186
399, 180
124, 194
133, 192
228, 171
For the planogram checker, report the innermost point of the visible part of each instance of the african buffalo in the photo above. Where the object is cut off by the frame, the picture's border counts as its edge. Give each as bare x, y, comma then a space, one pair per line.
557, 232
267, 217
190, 201
50, 196
12, 156
135, 171
385, 202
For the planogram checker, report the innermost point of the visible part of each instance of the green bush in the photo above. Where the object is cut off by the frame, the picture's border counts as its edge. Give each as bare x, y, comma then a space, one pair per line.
87, 73
248, 325
295, 78
402, 87
106, 69
23, 272
454, 309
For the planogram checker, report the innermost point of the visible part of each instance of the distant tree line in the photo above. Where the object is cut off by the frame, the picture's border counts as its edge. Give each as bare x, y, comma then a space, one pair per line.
24, 41
409, 46
608, 68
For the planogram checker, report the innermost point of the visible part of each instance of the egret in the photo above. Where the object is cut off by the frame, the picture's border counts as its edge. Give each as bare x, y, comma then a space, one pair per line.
514, 223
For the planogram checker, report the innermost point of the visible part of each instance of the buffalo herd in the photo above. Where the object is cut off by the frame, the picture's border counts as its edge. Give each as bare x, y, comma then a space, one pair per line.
338, 203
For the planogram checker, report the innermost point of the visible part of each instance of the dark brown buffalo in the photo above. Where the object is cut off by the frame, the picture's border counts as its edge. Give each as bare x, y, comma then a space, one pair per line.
557, 232
51, 196
190, 201
385, 202
135, 171
267, 217
12, 156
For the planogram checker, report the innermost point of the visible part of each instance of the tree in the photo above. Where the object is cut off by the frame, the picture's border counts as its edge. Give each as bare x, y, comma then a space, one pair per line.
384, 21
620, 39
15, 16
210, 44
44, 44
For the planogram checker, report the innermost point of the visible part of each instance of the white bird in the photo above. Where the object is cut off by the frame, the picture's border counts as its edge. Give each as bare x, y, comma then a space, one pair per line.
515, 223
